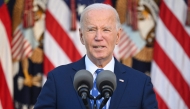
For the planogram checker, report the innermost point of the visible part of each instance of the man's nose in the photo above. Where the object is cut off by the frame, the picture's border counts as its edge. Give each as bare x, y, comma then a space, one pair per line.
98, 35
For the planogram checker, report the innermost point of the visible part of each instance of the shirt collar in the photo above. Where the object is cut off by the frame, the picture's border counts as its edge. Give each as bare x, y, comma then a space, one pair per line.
91, 67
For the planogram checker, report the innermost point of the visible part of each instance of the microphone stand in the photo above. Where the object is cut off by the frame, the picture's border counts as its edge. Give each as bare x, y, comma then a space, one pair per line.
106, 93
104, 101
95, 105
84, 94
84, 99
92, 98
97, 98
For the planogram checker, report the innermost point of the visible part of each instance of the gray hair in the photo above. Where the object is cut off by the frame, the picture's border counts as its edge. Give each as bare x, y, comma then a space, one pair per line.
100, 6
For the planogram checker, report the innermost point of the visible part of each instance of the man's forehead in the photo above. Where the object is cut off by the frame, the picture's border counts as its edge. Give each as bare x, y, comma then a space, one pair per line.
99, 16
107, 23
99, 12
103, 26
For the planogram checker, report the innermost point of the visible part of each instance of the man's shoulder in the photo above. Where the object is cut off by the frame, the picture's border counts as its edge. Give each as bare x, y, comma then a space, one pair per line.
64, 69
133, 72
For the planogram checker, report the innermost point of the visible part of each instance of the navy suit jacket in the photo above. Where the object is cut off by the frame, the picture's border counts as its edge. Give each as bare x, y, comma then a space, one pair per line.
136, 92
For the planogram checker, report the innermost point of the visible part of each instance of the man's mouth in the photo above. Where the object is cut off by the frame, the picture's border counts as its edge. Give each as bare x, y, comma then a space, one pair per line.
99, 47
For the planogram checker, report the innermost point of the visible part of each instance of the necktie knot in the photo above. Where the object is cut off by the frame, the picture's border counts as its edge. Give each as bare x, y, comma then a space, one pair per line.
98, 71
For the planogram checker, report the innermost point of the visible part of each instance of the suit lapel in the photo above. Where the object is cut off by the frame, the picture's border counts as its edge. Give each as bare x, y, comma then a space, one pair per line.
79, 65
121, 85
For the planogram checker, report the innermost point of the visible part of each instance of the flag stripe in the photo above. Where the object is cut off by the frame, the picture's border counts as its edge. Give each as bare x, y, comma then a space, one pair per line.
16, 49
17, 43
5, 97
4, 16
126, 47
48, 66
21, 47
5, 57
175, 27
19, 50
27, 50
127, 50
178, 8
123, 41
17, 36
5, 54
6, 84
54, 52
123, 36
161, 103
63, 18
168, 69
165, 89
65, 43
134, 50
174, 51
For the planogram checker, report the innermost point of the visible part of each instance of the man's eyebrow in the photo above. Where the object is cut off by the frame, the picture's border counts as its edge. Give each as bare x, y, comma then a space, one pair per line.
107, 27
90, 27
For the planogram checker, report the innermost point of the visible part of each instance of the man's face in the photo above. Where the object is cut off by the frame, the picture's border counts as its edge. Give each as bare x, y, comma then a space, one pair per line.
99, 34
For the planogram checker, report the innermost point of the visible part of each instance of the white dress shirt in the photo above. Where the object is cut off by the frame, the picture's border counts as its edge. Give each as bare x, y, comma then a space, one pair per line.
91, 67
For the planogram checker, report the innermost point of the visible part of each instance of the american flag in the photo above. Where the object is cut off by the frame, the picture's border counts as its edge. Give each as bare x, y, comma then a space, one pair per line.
6, 77
126, 46
171, 65
61, 44
21, 47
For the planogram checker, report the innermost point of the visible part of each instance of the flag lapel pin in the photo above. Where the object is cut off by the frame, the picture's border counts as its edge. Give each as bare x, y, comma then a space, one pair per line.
121, 80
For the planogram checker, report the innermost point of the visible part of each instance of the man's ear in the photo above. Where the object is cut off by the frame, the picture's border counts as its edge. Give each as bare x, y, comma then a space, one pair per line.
118, 36
81, 38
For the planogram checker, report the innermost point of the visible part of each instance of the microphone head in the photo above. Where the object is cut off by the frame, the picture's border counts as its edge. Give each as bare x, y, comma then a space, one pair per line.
83, 77
106, 78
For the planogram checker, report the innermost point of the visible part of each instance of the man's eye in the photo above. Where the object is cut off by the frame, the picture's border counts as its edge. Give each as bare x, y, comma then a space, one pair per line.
106, 30
91, 30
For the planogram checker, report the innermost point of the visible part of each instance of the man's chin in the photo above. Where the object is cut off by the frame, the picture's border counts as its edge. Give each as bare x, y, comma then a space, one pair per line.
100, 57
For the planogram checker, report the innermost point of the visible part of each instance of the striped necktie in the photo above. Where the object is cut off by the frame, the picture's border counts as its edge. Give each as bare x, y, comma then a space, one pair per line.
95, 91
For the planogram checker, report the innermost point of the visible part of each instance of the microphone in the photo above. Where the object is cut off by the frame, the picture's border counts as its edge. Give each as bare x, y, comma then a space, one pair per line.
106, 84
83, 83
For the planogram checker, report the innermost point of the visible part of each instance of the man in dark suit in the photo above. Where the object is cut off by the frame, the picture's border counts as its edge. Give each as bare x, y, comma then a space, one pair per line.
100, 31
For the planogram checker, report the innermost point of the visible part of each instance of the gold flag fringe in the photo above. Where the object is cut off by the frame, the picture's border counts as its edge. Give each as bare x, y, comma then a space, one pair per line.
121, 8
17, 13
145, 55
